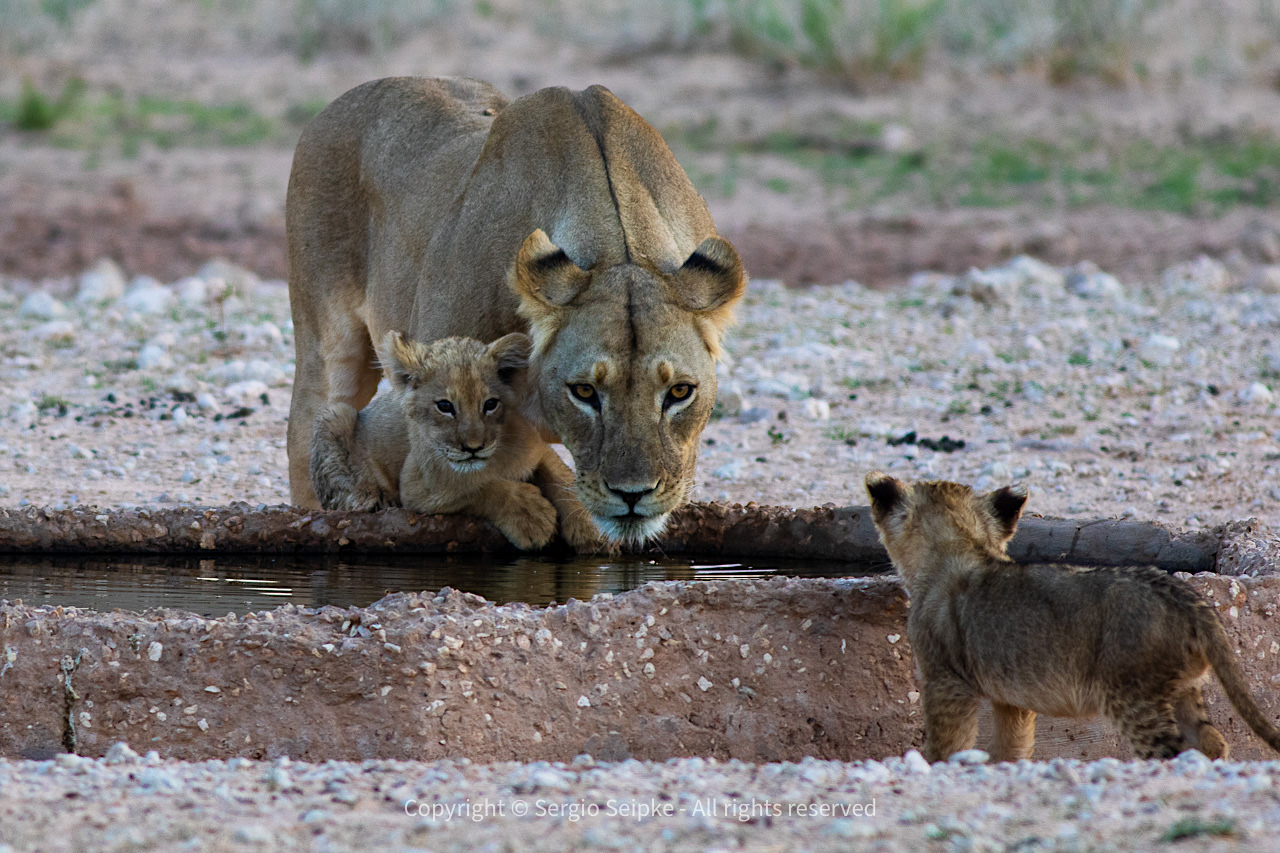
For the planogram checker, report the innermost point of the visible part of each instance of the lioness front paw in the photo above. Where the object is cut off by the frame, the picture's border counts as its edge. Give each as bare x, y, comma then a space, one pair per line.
581, 533
530, 522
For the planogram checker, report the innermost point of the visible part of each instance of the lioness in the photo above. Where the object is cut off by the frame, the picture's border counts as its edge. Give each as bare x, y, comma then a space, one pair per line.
1131, 643
449, 437
434, 207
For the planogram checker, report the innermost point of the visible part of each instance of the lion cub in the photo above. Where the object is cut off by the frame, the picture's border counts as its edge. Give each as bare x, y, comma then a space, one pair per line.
449, 438
1133, 644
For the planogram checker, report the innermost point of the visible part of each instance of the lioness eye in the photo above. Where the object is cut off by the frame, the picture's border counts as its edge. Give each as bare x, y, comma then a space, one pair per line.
444, 406
586, 393
490, 405
678, 393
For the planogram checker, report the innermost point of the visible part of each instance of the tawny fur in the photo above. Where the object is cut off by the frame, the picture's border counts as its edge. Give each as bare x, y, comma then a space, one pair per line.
434, 206
1132, 644
448, 437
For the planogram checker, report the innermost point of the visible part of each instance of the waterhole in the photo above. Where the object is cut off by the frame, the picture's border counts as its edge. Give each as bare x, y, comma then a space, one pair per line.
246, 583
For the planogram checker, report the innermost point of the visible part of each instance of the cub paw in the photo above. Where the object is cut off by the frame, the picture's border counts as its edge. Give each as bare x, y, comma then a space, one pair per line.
531, 520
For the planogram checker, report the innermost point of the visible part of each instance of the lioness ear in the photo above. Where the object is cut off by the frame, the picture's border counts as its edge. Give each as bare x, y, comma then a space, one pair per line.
886, 494
1006, 508
405, 360
546, 280
709, 283
511, 354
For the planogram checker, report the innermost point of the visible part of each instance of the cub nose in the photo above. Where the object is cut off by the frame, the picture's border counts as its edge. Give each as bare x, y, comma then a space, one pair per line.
630, 497
467, 448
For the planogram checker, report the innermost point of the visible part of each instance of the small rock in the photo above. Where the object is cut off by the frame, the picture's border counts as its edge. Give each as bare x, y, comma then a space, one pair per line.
247, 392
1159, 349
252, 834
969, 757
1256, 392
154, 650
192, 292
42, 305
120, 753
915, 762
222, 275
103, 282
54, 330
729, 400
817, 410
584, 702
703, 684
1203, 275
729, 470
1086, 281
147, 296
753, 415
152, 356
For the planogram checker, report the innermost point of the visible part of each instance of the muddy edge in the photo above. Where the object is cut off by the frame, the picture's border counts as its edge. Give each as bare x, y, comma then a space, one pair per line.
761, 670
824, 533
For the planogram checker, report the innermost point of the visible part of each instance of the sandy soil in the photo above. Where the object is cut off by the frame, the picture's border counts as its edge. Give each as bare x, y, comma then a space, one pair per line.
1148, 396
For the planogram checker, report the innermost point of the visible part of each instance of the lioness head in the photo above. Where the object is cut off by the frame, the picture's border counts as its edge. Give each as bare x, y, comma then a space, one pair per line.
456, 393
624, 364
917, 521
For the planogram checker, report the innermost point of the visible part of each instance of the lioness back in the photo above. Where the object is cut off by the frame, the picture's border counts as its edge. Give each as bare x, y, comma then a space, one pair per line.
437, 207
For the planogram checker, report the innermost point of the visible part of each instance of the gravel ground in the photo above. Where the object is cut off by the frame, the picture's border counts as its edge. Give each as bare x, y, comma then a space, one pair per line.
1148, 400
1144, 399
124, 803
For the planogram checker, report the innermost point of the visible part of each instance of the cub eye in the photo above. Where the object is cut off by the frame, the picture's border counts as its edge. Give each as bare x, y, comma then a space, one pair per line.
678, 393
490, 405
444, 406
586, 393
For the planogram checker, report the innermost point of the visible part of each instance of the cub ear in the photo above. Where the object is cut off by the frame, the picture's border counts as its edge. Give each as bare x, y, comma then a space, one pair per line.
405, 360
546, 280
886, 494
709, 284
1006, 508
511, 354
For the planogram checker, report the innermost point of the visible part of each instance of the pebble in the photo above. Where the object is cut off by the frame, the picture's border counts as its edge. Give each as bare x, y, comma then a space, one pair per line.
145, 295
54, 330
1159, 349
104, 282
120, 753
40, 304
969, 757
1086, 281
1256, 392
915, 762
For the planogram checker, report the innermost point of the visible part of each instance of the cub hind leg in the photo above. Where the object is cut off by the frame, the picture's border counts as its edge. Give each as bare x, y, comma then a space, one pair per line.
1149, 725
1193, 722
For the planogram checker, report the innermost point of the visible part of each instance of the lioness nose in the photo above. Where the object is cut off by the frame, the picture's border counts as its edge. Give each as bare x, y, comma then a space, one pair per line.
630, 498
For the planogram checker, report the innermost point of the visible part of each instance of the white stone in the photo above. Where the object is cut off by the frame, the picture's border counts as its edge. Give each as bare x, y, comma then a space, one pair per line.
103, 282
247, 392
916, 763
1086, 281
147, 296
42, 305
703, 684
1159, 349
120, 753
729, 470
817, 410
240, 281
968, 757
584, 702
1256, 393
1203, 275
24, 414
266, 334
153, 356
206, 401
192, 291
54, 330
154, 650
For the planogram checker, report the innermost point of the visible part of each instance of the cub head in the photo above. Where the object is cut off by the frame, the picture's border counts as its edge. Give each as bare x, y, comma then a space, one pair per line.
918, 522
457, 393
624, 362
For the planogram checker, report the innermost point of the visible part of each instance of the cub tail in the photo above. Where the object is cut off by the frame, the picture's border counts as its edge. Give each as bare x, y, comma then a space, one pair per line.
1217, 648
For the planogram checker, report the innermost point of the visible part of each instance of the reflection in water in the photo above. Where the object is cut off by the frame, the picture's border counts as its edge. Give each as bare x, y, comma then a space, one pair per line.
245, 582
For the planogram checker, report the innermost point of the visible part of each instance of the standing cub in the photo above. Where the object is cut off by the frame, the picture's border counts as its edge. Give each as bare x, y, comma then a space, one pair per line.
1133, 644
449, 438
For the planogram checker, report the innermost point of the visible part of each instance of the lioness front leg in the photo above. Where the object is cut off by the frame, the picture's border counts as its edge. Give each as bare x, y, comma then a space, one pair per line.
519, 510
555, 480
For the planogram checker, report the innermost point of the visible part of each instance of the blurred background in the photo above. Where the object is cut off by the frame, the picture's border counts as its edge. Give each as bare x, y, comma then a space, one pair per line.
833, 139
